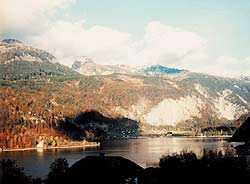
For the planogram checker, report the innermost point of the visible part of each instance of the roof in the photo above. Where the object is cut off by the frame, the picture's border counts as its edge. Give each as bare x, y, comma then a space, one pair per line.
106, 162
106, 169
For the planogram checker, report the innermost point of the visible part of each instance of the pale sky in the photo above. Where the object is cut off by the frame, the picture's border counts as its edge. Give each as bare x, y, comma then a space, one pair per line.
211, 36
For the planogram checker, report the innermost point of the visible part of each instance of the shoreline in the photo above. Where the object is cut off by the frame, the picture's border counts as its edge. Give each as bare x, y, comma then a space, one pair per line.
190, 136
94, 144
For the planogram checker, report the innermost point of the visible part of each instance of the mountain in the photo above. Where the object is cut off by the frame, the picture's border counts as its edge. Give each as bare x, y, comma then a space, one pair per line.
88, 67
40, 103
161, 70
19, 61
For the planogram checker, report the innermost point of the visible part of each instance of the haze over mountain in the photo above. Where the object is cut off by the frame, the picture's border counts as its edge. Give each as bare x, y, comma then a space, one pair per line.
36, 91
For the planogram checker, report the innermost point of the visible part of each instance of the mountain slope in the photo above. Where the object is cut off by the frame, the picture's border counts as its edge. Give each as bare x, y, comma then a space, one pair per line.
148, 99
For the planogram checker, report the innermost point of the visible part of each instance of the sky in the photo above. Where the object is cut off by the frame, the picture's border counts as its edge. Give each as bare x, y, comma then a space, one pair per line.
210, 36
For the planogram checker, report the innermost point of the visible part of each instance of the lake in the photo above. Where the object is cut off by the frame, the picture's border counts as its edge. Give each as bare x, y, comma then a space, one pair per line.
145, 151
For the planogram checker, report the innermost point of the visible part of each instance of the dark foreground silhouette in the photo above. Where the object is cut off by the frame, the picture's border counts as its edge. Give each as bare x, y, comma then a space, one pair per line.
177, 168
242, 134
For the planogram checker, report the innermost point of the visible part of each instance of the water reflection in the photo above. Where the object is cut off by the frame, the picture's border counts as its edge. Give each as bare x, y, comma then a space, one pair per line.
144, 151
40, 155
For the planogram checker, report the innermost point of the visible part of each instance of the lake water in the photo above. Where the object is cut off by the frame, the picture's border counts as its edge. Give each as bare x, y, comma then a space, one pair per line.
145, 151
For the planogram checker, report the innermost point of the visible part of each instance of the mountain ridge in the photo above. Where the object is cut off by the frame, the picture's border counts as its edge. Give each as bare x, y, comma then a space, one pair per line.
86, 66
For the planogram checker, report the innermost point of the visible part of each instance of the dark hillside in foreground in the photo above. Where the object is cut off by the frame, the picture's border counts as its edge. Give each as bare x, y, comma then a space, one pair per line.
242, 134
